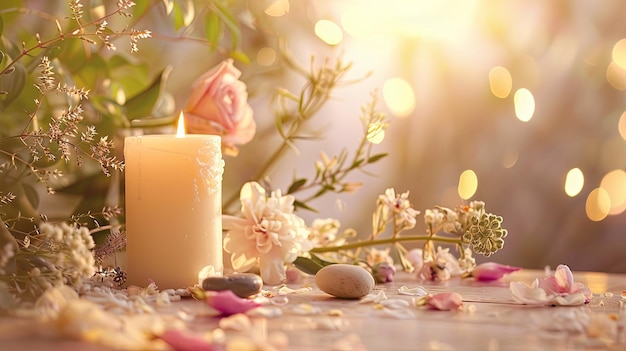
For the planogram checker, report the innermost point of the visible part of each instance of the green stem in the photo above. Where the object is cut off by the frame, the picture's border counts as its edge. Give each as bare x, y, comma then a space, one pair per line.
392, 240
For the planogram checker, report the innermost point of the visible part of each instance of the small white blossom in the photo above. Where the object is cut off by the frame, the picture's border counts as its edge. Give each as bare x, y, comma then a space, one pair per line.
323, 232
401, 208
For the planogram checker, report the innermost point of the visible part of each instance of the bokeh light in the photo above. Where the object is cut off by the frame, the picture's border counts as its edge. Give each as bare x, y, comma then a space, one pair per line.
524, 104
510, 159
266, 56
616, 76
441, 19
614, 183
278, 8
376, 133
598, 204
621, 125
574, 182
468, 184
619, 53
500, 82
399, 97
329, 32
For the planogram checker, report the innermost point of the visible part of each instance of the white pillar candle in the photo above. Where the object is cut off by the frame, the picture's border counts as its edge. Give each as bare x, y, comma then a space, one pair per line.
173, 188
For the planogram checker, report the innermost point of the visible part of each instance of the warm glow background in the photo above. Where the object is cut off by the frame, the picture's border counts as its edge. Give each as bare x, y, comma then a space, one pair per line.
517, 103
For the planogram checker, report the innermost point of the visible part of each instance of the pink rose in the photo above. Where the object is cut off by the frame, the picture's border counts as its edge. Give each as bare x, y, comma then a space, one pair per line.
218, 104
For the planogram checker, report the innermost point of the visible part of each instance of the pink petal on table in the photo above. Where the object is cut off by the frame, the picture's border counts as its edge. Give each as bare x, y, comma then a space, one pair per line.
490, 271
181, 340
228, 303
444, 301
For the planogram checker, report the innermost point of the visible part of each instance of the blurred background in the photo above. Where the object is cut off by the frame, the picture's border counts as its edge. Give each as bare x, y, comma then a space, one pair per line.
518, 103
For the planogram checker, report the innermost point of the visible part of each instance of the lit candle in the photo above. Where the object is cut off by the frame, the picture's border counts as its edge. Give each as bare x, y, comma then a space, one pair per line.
173, 208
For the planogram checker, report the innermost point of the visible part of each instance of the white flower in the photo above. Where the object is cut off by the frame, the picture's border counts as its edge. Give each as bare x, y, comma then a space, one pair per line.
324, 232
401, 207
375, 256
441, 267
268, 233
558, 290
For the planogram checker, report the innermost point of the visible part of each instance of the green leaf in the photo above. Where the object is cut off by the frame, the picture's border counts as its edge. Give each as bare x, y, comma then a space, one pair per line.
297, 184
231, 23
375, 158
140, 8
129, 75
179, 19
319, 260
188, 11
307, 265
298, 204
12, 83
240, 56
154, 122
213, 29
142, 104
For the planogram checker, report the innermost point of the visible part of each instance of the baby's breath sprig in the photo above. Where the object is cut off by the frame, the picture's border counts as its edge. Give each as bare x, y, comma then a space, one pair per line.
49, 255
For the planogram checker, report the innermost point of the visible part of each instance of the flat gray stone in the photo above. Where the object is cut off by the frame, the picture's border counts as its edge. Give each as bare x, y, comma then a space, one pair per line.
242, 284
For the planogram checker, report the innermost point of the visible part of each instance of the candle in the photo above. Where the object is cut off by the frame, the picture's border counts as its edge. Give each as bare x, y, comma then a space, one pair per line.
173, 188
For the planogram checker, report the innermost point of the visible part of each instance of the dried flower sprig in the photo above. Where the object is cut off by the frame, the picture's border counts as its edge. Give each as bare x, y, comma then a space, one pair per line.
81, 31
296, 111
470, 228
51, 254
64, 137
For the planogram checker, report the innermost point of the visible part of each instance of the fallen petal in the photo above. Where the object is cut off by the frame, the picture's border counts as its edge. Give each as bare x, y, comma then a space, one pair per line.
180, 340
569, 300
445, 301
228, 303
417, 291
491, 271
529, 295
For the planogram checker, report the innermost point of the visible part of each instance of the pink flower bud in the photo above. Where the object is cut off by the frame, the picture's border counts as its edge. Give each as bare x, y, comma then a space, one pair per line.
383, 272
490, 271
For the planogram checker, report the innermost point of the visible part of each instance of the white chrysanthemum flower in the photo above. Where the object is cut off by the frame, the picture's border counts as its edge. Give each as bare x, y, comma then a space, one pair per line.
267, 234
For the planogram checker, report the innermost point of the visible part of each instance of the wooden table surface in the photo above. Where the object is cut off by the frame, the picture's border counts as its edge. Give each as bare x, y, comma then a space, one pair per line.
489, 320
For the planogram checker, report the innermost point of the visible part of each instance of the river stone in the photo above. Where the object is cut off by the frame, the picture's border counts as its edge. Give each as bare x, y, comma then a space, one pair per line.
345, 281
242, 284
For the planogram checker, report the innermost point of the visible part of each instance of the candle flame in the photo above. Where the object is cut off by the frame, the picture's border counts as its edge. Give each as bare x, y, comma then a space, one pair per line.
180, 131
